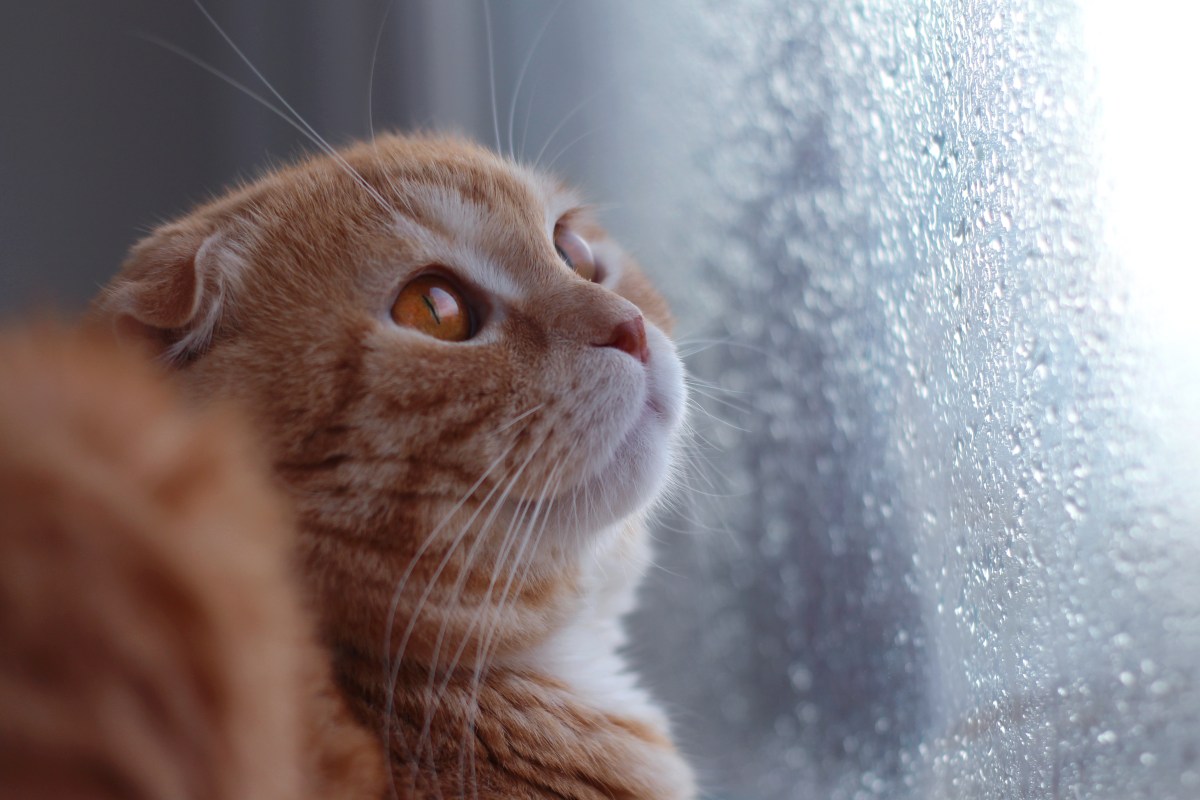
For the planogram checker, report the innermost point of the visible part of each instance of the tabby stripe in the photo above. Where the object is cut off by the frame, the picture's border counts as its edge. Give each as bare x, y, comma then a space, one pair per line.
329, 462
536, 768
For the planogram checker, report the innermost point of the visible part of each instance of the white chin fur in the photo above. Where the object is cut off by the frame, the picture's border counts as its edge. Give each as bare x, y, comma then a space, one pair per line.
637, 471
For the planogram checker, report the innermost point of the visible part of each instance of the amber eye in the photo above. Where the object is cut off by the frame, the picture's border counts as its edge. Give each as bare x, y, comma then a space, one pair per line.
434, 306
575, 252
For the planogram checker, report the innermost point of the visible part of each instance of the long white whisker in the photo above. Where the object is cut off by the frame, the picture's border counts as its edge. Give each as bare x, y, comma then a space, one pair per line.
487, 18
692, 380
456, 657
371, 75
550, 167
548, 491
687, 343
314, 136
514, 533
241, 87
415, 761
704, 391
482, 660
392, 668
698, 407
437, 573
512, 107
520, 417
525, 119
562, 123
395, 601
472, 552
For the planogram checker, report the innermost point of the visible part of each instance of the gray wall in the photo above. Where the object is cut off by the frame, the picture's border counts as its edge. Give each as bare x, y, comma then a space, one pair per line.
104, 134
939, 537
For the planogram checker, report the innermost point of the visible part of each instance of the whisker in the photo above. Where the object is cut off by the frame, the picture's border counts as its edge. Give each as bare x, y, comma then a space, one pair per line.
436, 696
393, 607
537, 506
313, 135
683, 343
506, 545
520, 417
371, 74
437, 573
487, 18
741, 409
692, 380
481, 662
456, 591
525, 120
695, 441
391, 669
562, 123
695, 469
233, 82
512, 108
708, 413
550, 167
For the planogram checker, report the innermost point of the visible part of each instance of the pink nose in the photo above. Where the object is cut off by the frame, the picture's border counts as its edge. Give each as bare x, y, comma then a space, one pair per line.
630, 337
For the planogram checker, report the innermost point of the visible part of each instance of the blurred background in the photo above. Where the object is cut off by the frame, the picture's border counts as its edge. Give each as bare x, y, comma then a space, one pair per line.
935, 267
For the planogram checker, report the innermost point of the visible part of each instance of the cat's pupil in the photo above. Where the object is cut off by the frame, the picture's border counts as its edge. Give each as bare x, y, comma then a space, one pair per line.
434, 305
432, 309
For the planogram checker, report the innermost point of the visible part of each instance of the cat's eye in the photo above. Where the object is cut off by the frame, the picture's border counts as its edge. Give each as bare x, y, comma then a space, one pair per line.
575, 252
436, 307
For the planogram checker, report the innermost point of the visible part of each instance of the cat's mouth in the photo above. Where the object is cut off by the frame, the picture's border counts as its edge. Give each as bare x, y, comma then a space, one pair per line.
623, 464
636, 471
665, 389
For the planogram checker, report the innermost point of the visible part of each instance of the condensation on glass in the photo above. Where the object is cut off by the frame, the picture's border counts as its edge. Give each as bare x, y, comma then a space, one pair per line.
953, 549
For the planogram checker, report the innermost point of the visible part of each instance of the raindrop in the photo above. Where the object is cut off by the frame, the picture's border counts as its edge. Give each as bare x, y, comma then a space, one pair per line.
800, 677
935, 145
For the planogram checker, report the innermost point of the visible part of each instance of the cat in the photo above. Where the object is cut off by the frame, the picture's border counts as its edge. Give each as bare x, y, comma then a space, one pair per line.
154, 641
468, 396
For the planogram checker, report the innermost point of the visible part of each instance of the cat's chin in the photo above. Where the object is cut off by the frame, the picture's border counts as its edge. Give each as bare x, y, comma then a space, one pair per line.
636, 472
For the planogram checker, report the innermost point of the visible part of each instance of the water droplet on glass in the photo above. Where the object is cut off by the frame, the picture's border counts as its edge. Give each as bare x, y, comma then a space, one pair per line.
800, 677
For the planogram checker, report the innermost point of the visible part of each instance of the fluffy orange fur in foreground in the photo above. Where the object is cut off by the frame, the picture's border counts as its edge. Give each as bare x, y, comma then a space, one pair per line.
153, 640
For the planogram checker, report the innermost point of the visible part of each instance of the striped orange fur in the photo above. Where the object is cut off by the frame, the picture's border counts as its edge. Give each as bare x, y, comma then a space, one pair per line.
470, 512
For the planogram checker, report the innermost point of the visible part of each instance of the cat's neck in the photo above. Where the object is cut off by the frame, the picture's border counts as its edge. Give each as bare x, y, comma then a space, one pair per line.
563, 717
584, 653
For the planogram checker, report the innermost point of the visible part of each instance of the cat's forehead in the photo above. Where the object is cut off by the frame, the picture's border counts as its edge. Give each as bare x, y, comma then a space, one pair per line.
505, 199
473, 209
386, 210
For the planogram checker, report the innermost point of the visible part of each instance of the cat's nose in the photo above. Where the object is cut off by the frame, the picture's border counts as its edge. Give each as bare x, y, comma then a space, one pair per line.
629, 337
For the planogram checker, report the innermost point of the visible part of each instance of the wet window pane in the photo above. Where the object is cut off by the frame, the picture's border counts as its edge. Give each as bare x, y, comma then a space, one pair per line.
934, 265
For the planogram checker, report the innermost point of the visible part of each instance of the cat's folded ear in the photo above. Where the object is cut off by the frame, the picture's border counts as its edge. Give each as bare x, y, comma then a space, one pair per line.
171, 293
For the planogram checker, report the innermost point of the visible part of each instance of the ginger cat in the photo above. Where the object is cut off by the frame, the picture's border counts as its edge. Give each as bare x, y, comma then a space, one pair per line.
467, 395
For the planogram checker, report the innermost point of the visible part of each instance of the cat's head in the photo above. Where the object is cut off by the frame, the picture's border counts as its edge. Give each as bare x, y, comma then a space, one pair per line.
450, 361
